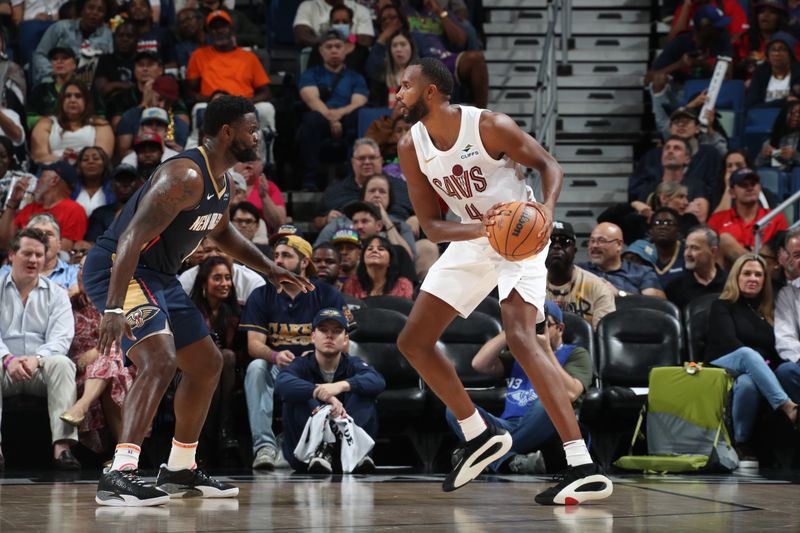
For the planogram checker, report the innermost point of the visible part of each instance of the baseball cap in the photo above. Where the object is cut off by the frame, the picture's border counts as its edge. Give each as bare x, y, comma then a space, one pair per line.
65, 171
154, 113
218, 14
774, 4
712, 16
356, 207
563, 228
643, 249
147, 137
683, 111
166, 87
284, 231
124, 171
301, 246
348, 235
552, 309
742, 174
331, 34
329, 313
60, 49
147, 48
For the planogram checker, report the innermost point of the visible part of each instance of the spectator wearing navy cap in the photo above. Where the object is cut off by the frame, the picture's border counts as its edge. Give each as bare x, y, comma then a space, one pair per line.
690, 55
735, 225
328, 376
524, 416
125, 181
278, 326
51, 195
90, 29
778, 77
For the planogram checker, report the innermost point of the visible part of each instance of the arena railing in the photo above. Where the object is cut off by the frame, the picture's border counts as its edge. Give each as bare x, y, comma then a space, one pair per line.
761, 224
546, 105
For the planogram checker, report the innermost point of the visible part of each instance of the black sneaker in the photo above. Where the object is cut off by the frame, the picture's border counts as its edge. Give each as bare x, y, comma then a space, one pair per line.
473, 456
322, 462
193, 483
126, 489
577, 484
364, 466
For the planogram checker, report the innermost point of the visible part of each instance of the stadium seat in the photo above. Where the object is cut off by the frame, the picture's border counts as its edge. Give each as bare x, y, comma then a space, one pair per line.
367, 115
403, 305
462, 340
695, 324
731, 98
640, 301
757, 128
774, 180
354, 303
578, 331
490, 306
630, 342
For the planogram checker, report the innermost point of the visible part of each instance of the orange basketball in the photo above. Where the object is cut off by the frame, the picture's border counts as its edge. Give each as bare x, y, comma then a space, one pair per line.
519, 231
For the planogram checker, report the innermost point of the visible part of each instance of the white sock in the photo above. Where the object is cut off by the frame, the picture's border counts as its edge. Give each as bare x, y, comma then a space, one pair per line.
577, 453
126, 456
181, 457
472, 426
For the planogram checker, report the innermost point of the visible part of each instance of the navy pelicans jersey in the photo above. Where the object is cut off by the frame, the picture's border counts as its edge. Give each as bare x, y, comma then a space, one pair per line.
467, 178
167, 251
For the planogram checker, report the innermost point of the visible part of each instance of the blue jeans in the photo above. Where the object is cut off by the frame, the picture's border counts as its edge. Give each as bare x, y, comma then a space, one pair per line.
754, 380
789, 377
259, 386
528, 432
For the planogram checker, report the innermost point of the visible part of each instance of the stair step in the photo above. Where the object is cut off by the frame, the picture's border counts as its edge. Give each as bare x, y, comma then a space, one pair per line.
598, 44
596, 169
592, 153
578, 4
530, 27
531, 67
604, 96
591, 55
571, 108
528, 16
526, 81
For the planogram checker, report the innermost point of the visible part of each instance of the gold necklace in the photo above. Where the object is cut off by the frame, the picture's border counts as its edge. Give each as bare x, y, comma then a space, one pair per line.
662, 271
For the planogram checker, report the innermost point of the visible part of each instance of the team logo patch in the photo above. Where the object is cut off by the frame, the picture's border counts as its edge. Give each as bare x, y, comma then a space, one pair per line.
139, 316
467, 148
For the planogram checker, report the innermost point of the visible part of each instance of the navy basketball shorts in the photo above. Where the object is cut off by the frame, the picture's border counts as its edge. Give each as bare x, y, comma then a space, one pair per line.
155, 303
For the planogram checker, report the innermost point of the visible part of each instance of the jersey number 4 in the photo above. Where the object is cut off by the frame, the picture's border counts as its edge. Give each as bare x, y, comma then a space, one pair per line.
473, 212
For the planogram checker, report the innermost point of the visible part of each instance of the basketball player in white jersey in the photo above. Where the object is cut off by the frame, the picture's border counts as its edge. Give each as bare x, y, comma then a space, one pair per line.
468, 157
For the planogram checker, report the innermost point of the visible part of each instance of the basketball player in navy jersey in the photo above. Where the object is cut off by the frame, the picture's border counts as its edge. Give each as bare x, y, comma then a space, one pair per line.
130, 277
468, 157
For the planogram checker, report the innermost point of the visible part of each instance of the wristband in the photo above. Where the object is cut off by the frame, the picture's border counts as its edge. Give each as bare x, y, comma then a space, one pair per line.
274, 358
7, 360
115, 311
390, 228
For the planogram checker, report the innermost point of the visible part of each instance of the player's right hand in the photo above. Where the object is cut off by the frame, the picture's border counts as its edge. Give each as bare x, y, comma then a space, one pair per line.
280, 275
488, 217
112, 327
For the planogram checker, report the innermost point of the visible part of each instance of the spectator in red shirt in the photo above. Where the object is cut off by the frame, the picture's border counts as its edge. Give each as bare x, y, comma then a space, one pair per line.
682, 20
52, 195
223, 65
263, 193
378, 272
735, 225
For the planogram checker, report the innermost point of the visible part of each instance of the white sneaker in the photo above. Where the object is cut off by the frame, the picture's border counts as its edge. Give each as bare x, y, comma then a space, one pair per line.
266, 457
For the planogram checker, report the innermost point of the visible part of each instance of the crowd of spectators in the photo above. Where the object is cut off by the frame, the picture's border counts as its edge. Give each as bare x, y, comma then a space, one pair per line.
96, 96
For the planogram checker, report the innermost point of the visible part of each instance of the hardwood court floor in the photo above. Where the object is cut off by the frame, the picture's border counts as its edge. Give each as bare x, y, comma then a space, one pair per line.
399, 502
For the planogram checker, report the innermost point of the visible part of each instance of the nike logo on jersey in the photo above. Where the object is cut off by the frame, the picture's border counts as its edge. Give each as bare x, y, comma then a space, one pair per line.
210, 195
429, 160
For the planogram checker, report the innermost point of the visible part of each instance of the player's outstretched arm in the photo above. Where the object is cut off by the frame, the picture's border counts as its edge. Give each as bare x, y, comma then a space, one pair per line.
236, 245
176, 186
426, 207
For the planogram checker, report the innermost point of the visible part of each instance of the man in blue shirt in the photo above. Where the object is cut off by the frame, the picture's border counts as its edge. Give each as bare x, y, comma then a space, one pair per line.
605, 260
524, 416
278, 327
328, 375
333, 94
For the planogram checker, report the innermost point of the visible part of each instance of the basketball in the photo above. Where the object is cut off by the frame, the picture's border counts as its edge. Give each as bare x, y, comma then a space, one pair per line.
519, 231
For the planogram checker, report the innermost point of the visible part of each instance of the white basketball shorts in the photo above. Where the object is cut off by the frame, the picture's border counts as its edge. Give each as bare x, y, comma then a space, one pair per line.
468, 271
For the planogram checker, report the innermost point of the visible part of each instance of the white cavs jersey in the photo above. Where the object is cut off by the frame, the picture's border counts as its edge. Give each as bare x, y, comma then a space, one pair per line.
468, 179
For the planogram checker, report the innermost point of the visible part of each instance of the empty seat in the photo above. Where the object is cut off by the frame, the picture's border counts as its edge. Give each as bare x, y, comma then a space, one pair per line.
490, 306
640, 301
578, 331
396, 303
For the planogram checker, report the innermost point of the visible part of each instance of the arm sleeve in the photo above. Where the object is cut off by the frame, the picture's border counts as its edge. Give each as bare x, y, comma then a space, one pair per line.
275, 193
41, 65
787, 328
670, 54
259, 74
650, 280
360, 85
291, 387
74, 225
362, 22
366, 381
579, 366
60, 325
641, 182
721, 330
253, 316
303, 15
376, 62
193, 69
604, 303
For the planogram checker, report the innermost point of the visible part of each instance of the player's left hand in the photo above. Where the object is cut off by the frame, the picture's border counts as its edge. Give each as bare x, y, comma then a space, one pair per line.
547, 211
280, 275
488, 217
